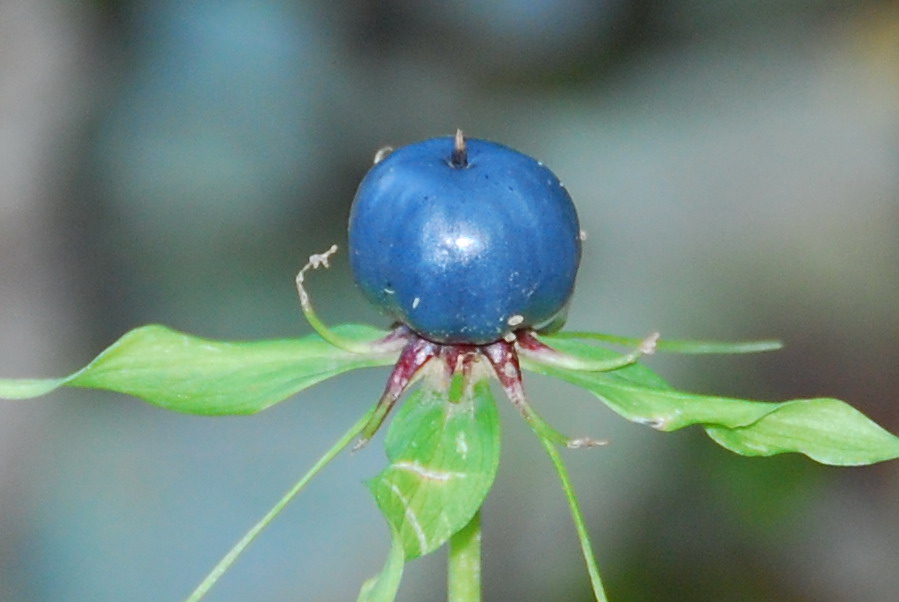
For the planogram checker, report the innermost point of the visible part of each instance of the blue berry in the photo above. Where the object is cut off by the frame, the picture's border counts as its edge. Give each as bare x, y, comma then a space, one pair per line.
464, 241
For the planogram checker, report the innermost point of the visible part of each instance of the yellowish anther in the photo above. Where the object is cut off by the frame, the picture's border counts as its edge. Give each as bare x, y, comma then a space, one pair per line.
382, 153
648, 345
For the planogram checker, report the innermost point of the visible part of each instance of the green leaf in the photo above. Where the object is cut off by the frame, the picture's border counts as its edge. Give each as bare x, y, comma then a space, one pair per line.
827, 430
691, 347
189, 374
383, 586
443, 455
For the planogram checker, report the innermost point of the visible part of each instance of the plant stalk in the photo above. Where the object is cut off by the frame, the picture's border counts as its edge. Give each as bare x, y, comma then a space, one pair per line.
464, 571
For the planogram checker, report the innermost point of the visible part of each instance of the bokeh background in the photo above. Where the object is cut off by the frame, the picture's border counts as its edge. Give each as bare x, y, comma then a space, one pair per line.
735, 164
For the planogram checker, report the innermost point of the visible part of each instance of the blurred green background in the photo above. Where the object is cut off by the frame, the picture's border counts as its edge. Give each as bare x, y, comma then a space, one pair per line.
735, 164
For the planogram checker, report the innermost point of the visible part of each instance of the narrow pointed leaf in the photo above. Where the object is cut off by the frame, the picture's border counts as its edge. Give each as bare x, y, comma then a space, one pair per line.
225, 563
443, 459
827, 430
676, 346
577, 516
383, 586
635, 374
189, 374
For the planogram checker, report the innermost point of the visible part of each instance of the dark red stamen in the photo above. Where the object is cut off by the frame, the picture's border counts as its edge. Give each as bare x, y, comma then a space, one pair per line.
451, 354
503, 357
415, 355
527, 340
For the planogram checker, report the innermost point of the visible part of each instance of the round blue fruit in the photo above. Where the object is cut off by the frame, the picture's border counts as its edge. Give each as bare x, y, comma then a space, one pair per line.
465, 241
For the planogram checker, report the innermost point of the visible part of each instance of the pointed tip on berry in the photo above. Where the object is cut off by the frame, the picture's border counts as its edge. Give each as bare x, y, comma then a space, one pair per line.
460, 151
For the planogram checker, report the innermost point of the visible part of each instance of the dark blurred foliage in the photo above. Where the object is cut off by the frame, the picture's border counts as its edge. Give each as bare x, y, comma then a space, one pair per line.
735, 167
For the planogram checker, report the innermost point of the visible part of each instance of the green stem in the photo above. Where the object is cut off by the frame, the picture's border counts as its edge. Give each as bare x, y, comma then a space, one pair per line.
226, 562
464, 571
578, 518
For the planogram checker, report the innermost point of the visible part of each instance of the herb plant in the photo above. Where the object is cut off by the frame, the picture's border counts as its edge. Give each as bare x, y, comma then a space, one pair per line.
472, 248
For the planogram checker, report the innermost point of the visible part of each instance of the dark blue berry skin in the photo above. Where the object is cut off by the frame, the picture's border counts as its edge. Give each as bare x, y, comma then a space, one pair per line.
464, 254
